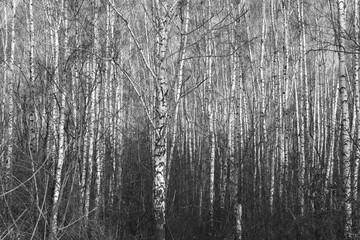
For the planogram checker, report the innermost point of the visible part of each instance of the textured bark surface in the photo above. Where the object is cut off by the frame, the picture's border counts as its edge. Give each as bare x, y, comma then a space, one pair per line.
355, 168
59, 124
345, 128
210, 112
191, 119
161, 114
300, 112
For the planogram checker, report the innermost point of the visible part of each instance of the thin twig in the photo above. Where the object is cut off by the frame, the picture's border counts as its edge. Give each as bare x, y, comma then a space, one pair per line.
134, 38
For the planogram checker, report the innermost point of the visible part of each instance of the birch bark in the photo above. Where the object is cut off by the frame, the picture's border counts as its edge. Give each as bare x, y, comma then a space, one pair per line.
98, 109
275, 77
355, 169
91, 138
10, 83
301, 121
161, 115
263, 138
59, 124
210, 112
345, 128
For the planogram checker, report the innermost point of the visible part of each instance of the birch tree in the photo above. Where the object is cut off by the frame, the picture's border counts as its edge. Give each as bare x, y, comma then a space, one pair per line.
345, 129
210, 112
98, 107
275, 76
31, 114
92, 157
303, 99
355, 168
161, 114
59, 125
10, 89
262, 86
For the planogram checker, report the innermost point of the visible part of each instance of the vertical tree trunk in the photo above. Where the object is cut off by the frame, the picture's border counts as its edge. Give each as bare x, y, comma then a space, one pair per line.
210, 112
161, 114
282, 112
330, 161
345, 137
4, 130
238, 134
31, 114
109, 161
118, 139
200, 174
92, 133
230, 191
275, 77
305, 99
301, 121
10, 83
355, 169
263, 139
98, 109
59, 124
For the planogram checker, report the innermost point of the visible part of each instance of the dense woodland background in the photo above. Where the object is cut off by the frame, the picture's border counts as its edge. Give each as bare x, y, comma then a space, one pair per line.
179, 119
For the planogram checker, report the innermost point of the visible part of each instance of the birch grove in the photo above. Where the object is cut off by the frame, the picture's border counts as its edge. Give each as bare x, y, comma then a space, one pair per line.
179, 119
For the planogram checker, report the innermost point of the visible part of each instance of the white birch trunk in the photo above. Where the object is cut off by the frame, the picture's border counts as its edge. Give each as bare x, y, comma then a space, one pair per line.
31, 116
355, 172
345, 128
98, 113
59, 123
161, 115
210, 112
90, 140
4, 171
263, 138
301, 121
10, 79
276, 84
333, 122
